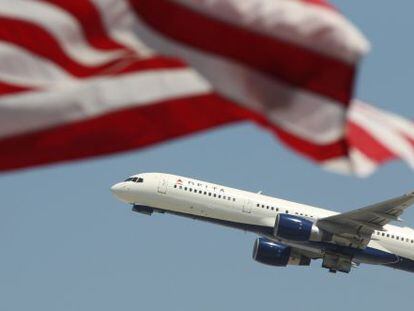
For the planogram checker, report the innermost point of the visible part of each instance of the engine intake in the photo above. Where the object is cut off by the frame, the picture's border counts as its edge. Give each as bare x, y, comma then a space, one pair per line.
275, 254
270, 253
296, 228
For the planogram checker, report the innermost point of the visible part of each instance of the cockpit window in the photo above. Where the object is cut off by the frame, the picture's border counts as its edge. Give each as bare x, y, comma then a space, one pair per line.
135, 179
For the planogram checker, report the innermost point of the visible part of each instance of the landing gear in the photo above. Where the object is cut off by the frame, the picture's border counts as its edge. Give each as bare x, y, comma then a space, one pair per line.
337, 262
146, 210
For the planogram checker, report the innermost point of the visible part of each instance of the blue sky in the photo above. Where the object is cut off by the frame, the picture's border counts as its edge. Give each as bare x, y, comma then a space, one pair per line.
67, 244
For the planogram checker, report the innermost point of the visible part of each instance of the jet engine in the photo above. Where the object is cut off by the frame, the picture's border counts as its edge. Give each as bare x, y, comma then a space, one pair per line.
296, 228
275, 254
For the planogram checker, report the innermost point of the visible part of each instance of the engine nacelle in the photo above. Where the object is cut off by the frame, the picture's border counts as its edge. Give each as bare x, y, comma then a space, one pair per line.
270, 253
375, 256
296, 228
275, 254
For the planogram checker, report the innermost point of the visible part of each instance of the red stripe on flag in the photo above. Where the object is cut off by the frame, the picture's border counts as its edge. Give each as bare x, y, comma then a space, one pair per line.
362, 140
410, 139
140, 127
40, 42
321, 3
315, 152
118, 131
90, 20
280, 59
137, 65
8, 88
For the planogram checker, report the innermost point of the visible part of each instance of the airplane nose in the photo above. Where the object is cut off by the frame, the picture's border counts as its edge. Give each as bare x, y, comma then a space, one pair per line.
120, 191
116, 188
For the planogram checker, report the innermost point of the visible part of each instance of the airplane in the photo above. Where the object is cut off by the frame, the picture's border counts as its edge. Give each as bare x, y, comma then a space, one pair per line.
289, 233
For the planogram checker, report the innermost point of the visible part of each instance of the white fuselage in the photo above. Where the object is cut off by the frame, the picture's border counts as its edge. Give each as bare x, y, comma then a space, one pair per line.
246, 210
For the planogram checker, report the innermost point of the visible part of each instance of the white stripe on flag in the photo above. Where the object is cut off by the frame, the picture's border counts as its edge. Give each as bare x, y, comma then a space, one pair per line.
311, 26
281, 103
89, 98
20, 67
119, 19
62, 26
384, 133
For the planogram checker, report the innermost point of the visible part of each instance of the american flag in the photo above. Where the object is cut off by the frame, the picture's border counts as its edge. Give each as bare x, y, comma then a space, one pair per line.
92, 77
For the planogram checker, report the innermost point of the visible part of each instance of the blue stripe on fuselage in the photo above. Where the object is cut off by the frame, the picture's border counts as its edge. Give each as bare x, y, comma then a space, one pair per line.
403, 264
400, 263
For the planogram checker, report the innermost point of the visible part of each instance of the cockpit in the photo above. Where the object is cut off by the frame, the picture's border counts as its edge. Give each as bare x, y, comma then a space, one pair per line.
135, 179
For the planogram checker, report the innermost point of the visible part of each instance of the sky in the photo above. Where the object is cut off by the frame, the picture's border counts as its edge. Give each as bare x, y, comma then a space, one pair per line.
67, 244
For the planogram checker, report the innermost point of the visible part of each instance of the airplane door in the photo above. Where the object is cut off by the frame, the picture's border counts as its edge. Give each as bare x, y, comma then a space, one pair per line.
247, 206
162, 185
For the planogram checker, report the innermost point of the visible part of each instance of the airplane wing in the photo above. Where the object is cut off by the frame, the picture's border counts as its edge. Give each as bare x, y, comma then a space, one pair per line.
357, 226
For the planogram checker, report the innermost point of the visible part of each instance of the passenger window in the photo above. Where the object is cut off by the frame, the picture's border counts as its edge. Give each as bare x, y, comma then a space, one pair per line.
273, 208
234, 200
185, 188
214, 195
181, 187
209, 194
205, 192
219, 196
175, 186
